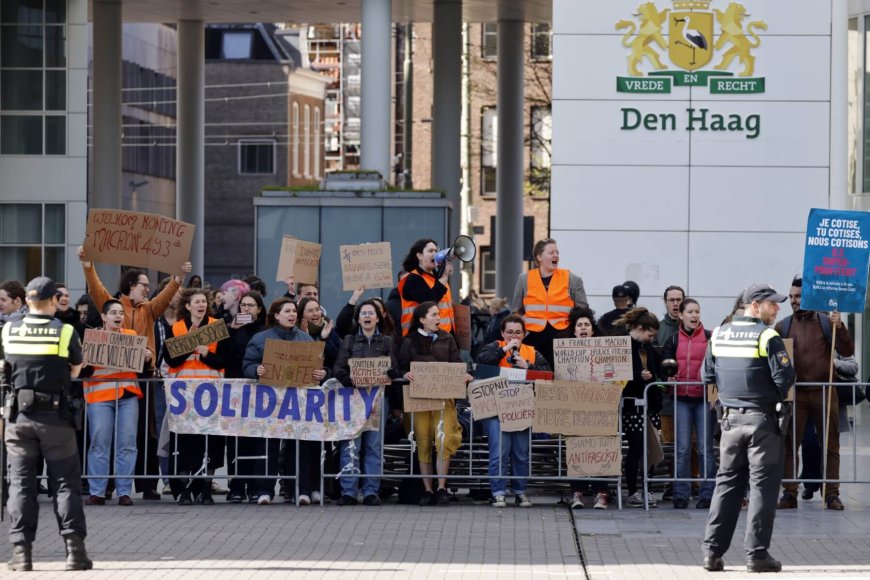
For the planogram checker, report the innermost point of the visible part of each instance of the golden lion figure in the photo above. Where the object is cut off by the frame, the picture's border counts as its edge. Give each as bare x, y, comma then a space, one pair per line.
731, 22
651, 21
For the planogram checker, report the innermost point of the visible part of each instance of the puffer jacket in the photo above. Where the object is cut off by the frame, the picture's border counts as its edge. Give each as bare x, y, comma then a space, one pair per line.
689, 351
257, 346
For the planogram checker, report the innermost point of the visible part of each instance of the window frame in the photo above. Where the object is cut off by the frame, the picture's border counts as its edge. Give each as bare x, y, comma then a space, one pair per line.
42, 245
253, 141
541, 29
486, 251
489, 30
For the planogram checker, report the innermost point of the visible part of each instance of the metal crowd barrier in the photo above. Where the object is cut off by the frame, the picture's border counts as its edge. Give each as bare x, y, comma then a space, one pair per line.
821, 433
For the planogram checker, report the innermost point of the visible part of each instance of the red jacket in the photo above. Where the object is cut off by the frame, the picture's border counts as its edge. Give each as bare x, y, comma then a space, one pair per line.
689, 352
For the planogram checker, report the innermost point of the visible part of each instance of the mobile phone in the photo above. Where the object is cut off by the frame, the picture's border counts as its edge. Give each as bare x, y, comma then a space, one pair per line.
244, 318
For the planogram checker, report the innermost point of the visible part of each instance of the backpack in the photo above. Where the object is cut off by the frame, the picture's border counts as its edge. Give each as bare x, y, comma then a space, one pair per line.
844, 388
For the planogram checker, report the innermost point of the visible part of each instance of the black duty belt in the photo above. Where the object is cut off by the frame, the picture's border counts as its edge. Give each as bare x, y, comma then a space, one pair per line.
30, 401
748, 411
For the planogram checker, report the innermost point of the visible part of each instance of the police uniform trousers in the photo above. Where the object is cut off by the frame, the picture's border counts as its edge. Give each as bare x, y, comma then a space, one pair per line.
47, 433
751, 452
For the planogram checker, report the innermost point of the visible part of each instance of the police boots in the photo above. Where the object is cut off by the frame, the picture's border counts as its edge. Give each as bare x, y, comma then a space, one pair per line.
22, 557
76, 555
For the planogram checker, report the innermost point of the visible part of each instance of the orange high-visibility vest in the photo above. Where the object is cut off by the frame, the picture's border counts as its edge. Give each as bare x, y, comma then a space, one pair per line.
547, 305
526, 352
102, 391
192, 367
445, 305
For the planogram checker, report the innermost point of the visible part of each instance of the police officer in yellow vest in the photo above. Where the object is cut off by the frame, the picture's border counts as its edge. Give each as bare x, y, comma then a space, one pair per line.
748, 361
42, 354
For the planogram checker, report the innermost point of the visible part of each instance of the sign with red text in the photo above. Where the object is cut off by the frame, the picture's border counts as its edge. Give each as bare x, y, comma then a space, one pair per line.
144, 240
593, 456
577, 409
114, 350
370, 372
369, 265
462, 325
291, 363
299, 259
516, 407
603, 359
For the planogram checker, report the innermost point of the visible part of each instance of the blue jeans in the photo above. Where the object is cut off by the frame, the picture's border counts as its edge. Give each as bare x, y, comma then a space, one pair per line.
369, 444
512, 446
102, 420
692, 416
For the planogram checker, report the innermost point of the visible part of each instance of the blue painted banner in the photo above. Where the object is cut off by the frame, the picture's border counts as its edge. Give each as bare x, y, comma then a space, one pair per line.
836, 260
236, 407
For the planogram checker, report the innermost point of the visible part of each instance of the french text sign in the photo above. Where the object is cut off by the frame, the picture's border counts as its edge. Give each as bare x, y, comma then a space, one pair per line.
299, 259
438, 380
370, 372
187, 343
593, 456
483, 396
114, 350
602, 359
291, 363
462, 325
144, 240
369, 265
412, 405
516, 407
577, 409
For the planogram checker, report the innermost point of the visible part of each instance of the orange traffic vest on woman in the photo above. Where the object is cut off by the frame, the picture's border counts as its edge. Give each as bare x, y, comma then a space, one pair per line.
526, 352
102, 391
192, 367
547, 305
445, 305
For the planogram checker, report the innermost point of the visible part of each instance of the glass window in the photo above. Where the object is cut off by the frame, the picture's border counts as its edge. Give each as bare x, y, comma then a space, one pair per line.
542, 45
55, 135
256, 157
55, 223
54, 266
21, 90
23, 11
487, 270
55, 11
306, 143
541, 137
489, 40
21, 223
856, 63
20, 135
295, 139
317, 146
21, 46
27, 249
55, 90
488, 150
55, 46
236, 45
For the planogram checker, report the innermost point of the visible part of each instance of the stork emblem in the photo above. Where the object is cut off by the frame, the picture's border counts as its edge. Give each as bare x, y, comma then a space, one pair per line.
690, 33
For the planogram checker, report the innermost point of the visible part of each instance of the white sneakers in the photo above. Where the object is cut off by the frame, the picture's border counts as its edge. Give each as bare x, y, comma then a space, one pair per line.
577, 502
304, 500
316, 497
264, 500
499, 502
636, 500
600, 502
522, 500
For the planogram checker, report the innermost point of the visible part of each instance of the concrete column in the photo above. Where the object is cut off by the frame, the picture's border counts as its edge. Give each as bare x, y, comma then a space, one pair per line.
190, 148
447, 111
375, 128
106, 191
839, 192
509, 172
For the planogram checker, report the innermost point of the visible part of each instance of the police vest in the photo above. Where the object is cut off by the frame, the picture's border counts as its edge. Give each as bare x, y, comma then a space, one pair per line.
550, 305
743, 374
526, 352
37, 347
445, 305
192, 367
105, 390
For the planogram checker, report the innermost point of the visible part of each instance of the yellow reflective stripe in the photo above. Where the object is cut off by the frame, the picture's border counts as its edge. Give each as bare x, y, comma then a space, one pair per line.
66, 333
765, 337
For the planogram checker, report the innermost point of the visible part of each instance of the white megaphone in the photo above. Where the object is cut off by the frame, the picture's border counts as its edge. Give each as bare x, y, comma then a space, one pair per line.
463, 249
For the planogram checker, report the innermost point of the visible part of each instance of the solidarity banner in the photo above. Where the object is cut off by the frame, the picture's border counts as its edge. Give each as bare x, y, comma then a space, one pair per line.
836, 260
235, 407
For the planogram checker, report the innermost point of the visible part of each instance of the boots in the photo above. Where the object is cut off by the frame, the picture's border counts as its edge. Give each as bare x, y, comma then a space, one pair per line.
76, 555
22, 557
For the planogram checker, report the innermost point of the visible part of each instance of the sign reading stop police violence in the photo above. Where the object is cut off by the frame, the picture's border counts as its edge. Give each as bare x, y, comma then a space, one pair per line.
836, 260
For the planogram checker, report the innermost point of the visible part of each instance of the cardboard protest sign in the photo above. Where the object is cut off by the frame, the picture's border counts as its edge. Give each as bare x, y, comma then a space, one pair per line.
369, 372
299, 259
602, 359
836, 259
291, 364
516, 408
235, 407
187, 343
462, 325
490, 371
483, 397
369, 265
412, 405
438, 380
577, 409
593, 456
144, 240
114, 350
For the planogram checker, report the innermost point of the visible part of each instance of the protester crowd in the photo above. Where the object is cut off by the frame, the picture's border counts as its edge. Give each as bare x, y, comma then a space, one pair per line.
127, 433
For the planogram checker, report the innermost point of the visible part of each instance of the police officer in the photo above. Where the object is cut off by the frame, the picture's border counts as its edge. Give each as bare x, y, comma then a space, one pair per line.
748, 361
42, 354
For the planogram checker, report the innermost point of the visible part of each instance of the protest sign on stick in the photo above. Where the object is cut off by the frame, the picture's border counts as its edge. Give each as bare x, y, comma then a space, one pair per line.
114, 350
369, 265
462, 325
187, 343
593, 456
577, 409
130, 238
438, 380
299, 259
370, 372
291, 363
602, 359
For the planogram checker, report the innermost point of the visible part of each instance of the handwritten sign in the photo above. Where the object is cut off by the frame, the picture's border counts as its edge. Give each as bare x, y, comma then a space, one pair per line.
462, 325
483, 396
369, 265
370, 372
412, 405
593, 456
516, 408
598, 360
114, 350
291, 364
438, 380
187, 343
299, 259
132, 238
577, 409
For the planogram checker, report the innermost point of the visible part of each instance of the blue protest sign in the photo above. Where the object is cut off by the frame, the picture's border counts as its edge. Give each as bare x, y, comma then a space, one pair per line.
836, 260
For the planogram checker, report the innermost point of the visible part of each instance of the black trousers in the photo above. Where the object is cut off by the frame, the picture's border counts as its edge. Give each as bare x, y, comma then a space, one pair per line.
46, 433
